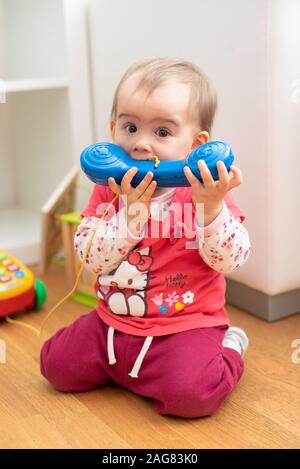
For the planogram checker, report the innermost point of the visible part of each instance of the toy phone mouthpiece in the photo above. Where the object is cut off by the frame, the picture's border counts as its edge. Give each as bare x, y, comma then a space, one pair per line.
103, 160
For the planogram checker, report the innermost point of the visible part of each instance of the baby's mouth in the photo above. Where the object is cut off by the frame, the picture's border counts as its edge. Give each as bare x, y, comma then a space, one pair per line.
154, 158
143, 157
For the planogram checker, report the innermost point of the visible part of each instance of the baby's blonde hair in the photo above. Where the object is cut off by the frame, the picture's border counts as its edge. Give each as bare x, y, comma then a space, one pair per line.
154, 72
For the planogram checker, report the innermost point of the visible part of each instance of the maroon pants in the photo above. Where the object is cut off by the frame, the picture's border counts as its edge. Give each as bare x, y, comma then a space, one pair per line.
188, 374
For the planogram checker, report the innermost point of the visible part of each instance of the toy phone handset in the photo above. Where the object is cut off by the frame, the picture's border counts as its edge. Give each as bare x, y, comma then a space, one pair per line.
103, 160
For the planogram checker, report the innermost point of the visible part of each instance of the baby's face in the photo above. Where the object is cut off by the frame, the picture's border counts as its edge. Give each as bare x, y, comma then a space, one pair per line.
156, 125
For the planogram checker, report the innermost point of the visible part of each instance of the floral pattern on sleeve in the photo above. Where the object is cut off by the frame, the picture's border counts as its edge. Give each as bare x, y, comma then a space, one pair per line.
109, 246
224, 244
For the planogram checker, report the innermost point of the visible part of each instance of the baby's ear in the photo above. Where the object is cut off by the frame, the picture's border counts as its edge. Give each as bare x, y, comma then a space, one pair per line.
200, 138
112, 128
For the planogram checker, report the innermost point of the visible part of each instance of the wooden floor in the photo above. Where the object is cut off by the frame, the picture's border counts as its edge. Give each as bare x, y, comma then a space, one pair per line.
263, 411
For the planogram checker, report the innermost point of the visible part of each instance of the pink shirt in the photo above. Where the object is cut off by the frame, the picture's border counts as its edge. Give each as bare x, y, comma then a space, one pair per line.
153, 286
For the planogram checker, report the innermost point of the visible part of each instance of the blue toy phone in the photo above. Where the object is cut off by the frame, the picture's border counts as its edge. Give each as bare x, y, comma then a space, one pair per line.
103, 160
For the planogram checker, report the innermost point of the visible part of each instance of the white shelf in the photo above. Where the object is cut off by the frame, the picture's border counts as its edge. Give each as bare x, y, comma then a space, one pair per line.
46, 119
20, 233
13, 86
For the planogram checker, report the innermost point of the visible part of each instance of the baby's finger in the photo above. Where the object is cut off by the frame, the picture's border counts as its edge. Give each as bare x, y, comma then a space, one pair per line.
145, 182
207, 178
224, 179
149, 192
193, 180
127, 178
237, 177
114, 186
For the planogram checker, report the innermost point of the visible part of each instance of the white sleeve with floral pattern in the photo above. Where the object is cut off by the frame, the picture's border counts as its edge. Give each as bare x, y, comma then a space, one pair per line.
224, 244
110, 244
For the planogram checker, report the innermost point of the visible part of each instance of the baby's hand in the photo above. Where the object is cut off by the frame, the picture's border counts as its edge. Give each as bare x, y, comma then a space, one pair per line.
141, 194
211, 192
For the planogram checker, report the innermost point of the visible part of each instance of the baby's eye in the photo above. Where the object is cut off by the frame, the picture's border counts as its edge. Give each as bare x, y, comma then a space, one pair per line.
131, 128
163, 132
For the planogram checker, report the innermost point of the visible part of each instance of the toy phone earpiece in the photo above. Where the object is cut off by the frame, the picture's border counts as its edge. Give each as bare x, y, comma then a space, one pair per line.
103, 160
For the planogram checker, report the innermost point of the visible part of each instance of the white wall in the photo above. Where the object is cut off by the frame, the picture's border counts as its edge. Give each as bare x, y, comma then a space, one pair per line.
40, 53
6, 165
284, 146
41, 151
2, 38
238, 45
7, 187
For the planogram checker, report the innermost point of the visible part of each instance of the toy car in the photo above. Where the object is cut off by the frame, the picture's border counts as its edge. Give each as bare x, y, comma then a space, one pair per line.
19, 290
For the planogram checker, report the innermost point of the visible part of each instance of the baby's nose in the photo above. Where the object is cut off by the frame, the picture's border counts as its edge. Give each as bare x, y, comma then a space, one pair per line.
142, 146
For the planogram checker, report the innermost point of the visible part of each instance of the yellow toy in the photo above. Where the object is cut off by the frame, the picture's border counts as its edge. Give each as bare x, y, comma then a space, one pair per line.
19, 290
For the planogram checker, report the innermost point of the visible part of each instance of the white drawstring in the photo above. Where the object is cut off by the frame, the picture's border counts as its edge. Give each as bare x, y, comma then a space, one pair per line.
110, 346
138, 362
